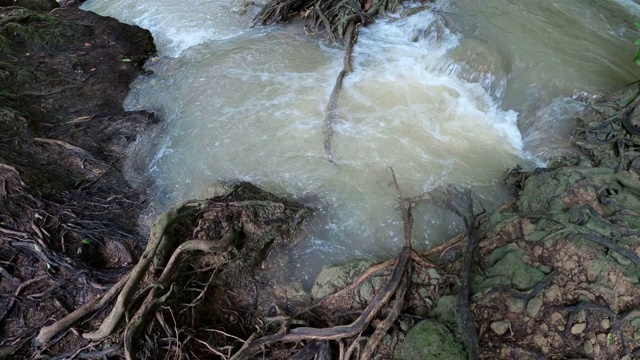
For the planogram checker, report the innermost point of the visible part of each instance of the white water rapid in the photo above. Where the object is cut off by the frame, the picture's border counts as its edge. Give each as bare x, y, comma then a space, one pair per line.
248, 103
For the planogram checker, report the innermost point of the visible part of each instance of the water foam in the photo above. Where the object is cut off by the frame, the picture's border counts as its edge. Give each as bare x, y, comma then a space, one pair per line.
252, 107
177, 26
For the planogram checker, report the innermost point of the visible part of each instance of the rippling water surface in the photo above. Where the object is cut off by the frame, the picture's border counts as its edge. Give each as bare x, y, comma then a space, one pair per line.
495, 89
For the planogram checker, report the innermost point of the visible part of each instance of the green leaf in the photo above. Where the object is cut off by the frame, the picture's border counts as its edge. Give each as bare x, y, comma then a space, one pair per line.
638, 42
637, 25
609, 339
129, 60
636, 58
86, 241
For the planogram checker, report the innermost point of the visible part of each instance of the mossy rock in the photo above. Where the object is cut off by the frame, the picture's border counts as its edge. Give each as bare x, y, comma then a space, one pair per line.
36, 5
509, 268
447, 309
335, 277
23, 30
431, 340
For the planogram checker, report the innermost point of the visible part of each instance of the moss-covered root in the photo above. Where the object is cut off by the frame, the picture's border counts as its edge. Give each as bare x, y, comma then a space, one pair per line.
158, 231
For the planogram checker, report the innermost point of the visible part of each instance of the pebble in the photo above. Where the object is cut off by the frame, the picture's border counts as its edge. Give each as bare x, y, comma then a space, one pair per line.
578, 328
588, 347
500, 327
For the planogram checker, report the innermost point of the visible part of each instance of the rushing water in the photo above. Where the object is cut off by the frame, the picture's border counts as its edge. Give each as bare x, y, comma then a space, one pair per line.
248, 103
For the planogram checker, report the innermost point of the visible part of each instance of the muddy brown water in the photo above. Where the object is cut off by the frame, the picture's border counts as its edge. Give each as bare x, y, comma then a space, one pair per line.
497, 89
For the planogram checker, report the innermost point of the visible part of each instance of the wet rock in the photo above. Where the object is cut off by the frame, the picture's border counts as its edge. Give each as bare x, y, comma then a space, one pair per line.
334, 277
515, 305
431, 340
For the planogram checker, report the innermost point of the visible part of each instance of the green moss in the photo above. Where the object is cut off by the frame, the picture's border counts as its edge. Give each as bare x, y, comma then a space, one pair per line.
26, 30
447, 310
509, 269
431, 340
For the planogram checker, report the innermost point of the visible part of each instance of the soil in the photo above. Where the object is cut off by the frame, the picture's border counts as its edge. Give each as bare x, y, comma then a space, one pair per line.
554, 274
67, 216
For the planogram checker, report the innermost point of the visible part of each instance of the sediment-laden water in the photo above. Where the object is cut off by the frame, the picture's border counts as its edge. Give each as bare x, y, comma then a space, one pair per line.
496, 88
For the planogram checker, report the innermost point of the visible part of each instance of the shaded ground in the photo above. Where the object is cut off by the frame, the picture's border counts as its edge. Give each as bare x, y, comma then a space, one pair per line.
552, 275
67, 217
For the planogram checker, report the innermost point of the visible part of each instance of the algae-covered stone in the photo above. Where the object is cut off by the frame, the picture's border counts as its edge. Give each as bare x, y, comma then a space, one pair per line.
515, 305
597, 270
534, 305
447, 309
500, 327
510, 269
588, 347
476, 61
335, 277
431, 340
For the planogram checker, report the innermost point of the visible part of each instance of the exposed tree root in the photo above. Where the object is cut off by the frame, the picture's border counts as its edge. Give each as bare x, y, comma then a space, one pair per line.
141, 317
396, 286
336, 332
125, 287
392, 316
332, 106
466, 317
160, 227
47, 333
338, 20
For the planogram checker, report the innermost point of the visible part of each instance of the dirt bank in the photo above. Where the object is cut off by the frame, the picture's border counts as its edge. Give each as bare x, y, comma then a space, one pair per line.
67, 216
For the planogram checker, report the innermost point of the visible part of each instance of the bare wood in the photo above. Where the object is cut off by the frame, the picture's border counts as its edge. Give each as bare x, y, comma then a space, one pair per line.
64, 144
49, 332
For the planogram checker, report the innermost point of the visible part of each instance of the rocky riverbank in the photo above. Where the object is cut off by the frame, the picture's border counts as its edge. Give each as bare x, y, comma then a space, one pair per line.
554, 274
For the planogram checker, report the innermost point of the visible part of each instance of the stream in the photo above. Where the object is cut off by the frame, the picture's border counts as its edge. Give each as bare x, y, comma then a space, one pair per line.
497, 88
